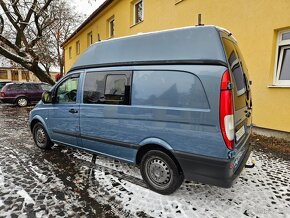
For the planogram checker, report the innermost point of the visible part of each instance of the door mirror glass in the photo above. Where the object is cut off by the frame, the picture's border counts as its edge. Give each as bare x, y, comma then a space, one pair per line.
46, 97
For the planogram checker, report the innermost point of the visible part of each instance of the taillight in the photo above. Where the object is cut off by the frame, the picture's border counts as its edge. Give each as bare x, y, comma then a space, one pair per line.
2, 94
227, 111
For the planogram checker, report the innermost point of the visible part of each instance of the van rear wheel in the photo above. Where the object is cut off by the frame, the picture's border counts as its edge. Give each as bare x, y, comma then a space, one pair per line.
160, 172
41, 137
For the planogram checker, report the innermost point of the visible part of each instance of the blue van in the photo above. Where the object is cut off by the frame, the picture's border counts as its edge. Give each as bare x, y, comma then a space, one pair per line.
176, 103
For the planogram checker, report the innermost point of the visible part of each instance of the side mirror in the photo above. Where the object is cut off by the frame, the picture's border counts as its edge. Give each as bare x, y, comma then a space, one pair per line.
46, 97
250, 82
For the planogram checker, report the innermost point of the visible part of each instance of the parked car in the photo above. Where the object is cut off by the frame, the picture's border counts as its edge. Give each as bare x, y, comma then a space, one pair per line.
177, 103
23, 94
3, 83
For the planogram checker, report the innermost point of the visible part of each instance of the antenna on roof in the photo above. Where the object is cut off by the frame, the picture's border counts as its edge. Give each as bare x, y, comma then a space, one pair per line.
199, 21
99, 38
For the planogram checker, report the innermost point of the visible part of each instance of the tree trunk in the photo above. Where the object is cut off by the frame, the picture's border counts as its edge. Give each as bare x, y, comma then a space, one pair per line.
34, 68
41, 74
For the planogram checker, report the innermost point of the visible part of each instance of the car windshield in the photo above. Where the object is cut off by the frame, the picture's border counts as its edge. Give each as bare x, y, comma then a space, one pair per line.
46, 87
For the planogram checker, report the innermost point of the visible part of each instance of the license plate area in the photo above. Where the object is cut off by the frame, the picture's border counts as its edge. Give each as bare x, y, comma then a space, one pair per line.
239, 134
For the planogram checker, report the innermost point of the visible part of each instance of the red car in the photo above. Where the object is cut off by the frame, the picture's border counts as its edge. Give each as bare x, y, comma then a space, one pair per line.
23, 94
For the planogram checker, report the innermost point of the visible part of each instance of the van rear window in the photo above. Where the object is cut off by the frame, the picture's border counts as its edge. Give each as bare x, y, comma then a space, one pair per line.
239, 74
168, 89
235, 66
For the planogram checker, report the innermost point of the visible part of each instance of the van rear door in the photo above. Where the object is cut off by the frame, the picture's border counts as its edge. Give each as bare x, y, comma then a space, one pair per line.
242, 100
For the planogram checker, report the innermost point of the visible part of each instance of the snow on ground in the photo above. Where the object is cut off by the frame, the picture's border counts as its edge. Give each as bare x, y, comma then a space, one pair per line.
64, 182
263, 191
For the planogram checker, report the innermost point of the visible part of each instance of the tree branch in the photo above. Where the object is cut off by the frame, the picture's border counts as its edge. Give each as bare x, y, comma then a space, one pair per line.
9, 16
31, 11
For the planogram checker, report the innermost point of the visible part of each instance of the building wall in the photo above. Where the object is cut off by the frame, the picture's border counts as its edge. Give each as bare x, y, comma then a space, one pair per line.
255, 24
17, 74
23, 75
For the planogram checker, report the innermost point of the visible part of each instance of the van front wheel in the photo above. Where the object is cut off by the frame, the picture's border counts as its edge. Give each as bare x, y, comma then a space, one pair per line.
41, 137
160, 172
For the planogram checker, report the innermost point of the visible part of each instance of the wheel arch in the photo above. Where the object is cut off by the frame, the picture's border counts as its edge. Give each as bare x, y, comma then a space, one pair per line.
156, 146
38, 119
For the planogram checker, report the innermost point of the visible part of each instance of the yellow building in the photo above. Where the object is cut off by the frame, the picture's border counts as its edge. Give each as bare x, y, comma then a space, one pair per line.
262, 29
19, 74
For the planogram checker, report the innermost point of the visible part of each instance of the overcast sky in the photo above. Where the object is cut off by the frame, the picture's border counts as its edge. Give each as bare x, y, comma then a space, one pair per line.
87, 6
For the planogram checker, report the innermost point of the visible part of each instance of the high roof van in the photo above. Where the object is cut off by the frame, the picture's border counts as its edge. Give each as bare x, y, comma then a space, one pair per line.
176, 103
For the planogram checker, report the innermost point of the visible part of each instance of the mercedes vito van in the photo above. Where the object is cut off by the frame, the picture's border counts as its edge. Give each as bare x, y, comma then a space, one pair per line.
176, 103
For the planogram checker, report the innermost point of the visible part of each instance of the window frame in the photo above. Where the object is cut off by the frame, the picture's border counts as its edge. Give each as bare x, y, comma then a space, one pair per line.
175, 71
55, 90
25, 75
78, 47
5, 73
135, 22
127, 73
90, 38
281, 46
70, 52
111, 31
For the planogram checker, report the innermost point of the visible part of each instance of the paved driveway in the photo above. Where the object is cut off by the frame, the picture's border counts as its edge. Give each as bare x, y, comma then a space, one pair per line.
64, 182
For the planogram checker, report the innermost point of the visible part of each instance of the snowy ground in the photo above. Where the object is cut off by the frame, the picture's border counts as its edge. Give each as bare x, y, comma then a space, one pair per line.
63, 182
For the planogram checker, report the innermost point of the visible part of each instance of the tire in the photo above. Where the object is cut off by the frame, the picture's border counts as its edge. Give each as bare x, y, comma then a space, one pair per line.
22, 102
160, 172
41, 137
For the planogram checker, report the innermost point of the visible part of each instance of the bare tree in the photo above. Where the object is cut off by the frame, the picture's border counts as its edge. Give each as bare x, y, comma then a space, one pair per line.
66, 21
31, 32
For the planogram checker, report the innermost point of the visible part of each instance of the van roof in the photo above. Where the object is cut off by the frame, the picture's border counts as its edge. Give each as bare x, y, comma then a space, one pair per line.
199, 44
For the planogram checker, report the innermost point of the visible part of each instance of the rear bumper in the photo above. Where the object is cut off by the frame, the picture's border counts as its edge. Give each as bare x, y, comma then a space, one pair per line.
214, 171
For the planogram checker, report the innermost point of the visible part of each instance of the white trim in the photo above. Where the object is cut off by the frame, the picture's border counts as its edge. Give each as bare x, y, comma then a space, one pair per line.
134, 11
282, 45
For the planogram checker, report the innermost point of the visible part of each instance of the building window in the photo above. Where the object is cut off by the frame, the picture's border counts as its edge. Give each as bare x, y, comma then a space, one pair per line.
90, 38
282, 74
25, 75
14, 75
78, 47
138, 11
70, 52
3, 74
111, 27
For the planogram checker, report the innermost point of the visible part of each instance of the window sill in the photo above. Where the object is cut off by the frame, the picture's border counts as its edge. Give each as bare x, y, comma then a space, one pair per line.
279, 86
136, 24
177, 2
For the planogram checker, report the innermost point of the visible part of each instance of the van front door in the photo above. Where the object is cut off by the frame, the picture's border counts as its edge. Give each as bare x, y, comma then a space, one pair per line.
64, 114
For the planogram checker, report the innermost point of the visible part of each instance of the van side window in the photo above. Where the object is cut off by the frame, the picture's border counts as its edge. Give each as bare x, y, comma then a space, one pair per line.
67, 91
115, 89
107, 88
168, 89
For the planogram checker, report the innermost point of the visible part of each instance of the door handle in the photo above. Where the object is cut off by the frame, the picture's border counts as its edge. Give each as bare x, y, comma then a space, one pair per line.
73, 111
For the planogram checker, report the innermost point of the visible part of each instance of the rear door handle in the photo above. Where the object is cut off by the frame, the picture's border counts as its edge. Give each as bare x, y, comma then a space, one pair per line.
73, 111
